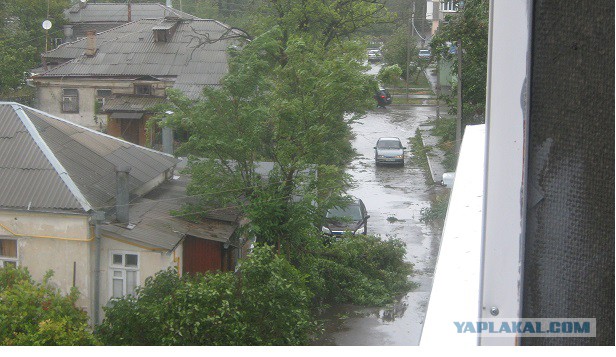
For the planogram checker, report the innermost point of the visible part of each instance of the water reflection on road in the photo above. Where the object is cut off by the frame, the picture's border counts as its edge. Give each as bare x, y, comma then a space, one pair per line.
394, 197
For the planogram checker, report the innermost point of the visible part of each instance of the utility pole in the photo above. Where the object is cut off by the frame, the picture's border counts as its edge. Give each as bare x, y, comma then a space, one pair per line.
408, 52
459, 118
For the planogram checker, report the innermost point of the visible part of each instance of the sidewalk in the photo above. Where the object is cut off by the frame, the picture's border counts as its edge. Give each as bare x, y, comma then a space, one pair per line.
434, 155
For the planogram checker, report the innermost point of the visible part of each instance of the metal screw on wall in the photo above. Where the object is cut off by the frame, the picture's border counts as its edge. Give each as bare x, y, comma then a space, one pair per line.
494, 311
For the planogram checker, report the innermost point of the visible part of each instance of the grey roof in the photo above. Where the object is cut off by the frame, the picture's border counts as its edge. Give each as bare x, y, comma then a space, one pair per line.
153, 226
48, 163
110, 12
194, 57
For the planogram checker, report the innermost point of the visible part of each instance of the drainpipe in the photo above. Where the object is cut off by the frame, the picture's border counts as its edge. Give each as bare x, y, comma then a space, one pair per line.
98, 217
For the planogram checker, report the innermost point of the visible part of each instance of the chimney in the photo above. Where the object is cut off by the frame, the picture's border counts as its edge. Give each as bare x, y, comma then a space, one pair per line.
129, 12
168, 140
91, 43
122, 194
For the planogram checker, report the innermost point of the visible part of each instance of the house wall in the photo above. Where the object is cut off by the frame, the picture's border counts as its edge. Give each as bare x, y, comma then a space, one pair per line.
50, 241
49, 97
150, 262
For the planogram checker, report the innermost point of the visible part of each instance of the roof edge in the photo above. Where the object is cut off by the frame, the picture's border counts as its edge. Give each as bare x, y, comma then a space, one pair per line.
53, 160
95, 132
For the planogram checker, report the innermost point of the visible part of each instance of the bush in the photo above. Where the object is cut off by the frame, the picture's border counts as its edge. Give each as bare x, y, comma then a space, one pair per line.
363, 270
389, 75
38, 314
267, 303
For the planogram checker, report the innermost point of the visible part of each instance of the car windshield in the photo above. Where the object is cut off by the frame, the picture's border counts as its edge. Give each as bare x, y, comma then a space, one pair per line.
388, 144
350, 212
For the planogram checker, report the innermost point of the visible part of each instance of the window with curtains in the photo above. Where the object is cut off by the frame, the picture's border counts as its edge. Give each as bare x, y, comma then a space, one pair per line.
8, 252
123, 273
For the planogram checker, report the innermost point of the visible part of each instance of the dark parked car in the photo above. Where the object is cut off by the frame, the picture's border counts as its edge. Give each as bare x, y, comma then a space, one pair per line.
389, 151
352, 218
382, 97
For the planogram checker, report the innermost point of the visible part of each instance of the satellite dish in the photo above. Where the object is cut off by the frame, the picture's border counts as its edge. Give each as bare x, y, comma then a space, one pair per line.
46, 24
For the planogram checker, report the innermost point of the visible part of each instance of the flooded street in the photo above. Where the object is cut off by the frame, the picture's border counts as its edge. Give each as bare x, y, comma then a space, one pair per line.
394, 197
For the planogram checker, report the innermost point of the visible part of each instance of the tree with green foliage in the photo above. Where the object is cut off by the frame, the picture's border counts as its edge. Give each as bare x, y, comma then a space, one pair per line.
471, 27
22, 37
389, 75
265, 303
361, 270
395, 50
38, 314
289, 98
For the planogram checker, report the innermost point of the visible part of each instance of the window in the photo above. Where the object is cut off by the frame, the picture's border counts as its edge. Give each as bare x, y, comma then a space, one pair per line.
70, 100
8, 252
449, 6
143, 89
160, 35
101, 95
124, 273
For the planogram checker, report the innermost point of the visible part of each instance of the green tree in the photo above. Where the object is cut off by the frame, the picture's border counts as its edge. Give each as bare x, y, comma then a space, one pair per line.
289, 98
266, 303
38, 314
471, 27
389, 75
395, 50
22, 37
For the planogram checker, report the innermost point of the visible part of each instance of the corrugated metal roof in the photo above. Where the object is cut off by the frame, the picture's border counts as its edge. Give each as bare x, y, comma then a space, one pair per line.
155, 227
63, 166
196, 54
107, 12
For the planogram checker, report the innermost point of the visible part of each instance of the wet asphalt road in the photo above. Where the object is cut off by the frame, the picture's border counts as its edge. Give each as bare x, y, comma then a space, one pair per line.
390, 192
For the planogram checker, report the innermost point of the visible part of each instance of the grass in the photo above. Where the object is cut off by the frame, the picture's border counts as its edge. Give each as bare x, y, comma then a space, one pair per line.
437, 211
413, 101
445, 128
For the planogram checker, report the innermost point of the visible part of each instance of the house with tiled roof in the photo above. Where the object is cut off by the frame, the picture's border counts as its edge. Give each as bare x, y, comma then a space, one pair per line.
96, 210
109, 80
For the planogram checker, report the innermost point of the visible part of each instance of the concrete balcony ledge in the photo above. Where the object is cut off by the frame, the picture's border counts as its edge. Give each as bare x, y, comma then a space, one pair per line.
455, 292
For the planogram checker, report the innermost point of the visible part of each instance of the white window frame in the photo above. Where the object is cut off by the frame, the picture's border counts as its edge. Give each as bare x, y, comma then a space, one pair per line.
449, 6
6, 259
504, 207
123, 269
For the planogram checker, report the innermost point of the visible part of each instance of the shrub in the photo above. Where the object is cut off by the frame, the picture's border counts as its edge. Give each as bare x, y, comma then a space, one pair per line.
267, 303
38, 314
363, 270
